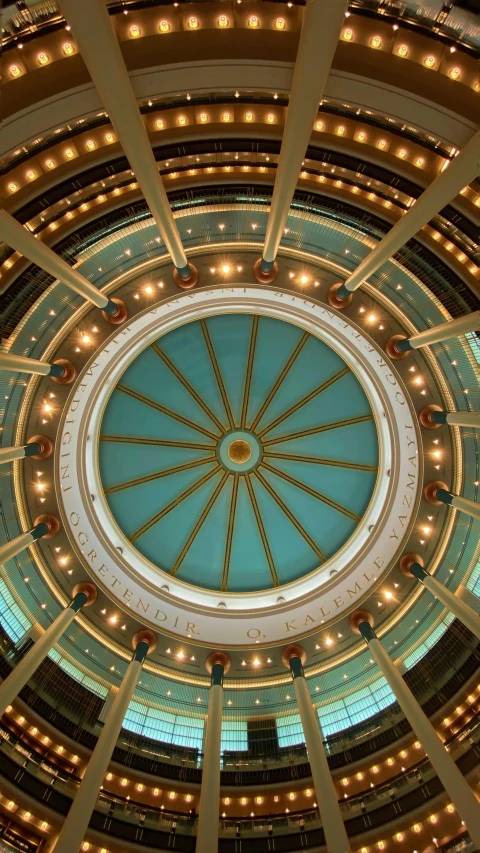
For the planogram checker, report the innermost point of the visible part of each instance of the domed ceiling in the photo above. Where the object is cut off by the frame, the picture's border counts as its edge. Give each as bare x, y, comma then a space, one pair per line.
238, 453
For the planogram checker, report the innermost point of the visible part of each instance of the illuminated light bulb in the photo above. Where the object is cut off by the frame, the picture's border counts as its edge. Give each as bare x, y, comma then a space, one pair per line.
388, 595
454, 73
248, 116
338, 184
359, 776
329, 641
124, 782
223, 21
13, 187
226, 269
429, 61
376, 42
319, 125
113, 620
340, 130
361, 136
135, 31
401, 153
371, 318
203, 117
253, 22
44, 824
50, 164
172, 795
450, 808
270, 118
42, 58
69, 153
181, 120
90, 144
226, 116
433, 818
31, 175
193, 23
68, 48
164, 26
347, 34
280, 24
15, 71
402, 50
419, 162
304, 279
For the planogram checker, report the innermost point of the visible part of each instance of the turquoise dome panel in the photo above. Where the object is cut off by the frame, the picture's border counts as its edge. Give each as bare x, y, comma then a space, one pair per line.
238, 453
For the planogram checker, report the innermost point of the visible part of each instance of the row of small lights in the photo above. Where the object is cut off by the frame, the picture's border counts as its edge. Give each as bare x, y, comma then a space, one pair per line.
254, 22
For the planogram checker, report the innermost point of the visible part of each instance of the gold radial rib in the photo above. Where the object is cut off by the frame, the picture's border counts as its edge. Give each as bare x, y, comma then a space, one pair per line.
218, 375
189, 388
166, 411
205, 512
248, 374
292, 436
311, 491
176, 501
262, 532
317, 460
276, 385
231, 523
290, 515
159, 474
157, 442
306, 399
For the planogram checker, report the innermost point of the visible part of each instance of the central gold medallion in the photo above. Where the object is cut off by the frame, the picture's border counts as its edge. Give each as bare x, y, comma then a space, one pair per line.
239, 451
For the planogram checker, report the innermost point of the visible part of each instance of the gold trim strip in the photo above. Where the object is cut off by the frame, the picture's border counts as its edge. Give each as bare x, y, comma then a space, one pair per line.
166, 411
173, 504
290, 516
310, 491
158, 474
276, 385
188, 387
292, 436
262, 532
190, 445
218, 375
305, 400
249, 371
317, 460
228, 543
198, 524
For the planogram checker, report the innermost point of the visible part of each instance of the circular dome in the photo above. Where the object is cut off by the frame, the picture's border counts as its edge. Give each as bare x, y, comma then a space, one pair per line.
238, 453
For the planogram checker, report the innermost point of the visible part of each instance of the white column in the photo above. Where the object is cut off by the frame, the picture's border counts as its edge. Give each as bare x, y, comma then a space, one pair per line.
467, 506
318, 41
447, 771
411, 566
19, 238
23, 364
15, 546
209, 805
460, 171
432, 417
39, 447
446, 331
464, 419
97, 42
9, 454
332, 821
76, 823
23, 671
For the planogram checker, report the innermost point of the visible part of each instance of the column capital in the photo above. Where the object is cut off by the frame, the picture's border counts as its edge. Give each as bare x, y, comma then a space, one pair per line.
265, 276
408, 560
357, 617
431, 489
425, 416
145, 636
218, 658
294, 650
69, 372
391, 348
46, 446
52, 522
115, 312
186, 282
338, 296
88, 589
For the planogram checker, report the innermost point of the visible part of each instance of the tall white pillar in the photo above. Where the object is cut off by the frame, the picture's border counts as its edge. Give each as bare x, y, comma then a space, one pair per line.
437, 493
15, 235
447, 771
38, 447
76, 823
45, 526
61, 371
318, 41
399, 346
411, 565
432, 417
97, 42
460, 171
336, 838
83, 594
218, 663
